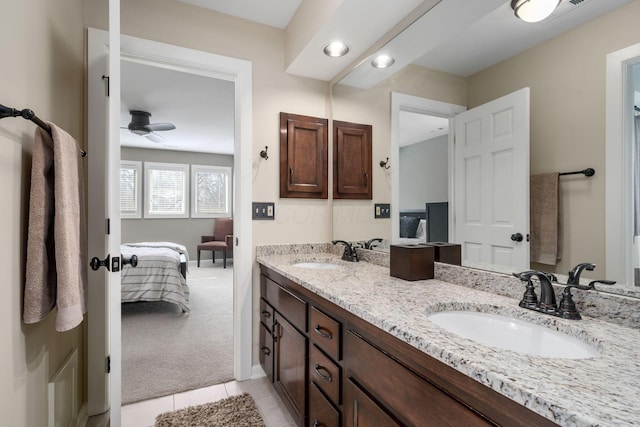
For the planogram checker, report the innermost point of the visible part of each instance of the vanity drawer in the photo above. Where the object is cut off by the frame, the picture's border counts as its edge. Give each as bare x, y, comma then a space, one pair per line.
324, 373
288, 305
326, 333
321, 411
402, 392
266, 313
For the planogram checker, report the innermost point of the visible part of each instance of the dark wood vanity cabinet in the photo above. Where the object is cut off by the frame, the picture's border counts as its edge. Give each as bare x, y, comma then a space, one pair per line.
334, 369
303, 157
352, 148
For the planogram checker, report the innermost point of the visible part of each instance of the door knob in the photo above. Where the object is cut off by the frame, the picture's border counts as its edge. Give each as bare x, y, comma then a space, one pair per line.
133, 260
517, 237
96, 263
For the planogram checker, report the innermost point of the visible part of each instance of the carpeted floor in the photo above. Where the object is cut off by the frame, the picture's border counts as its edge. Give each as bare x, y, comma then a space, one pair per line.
165, 351
234, 411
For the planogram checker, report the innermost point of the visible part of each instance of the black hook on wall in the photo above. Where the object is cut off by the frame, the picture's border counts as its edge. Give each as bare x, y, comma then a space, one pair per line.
264, 154
384, 164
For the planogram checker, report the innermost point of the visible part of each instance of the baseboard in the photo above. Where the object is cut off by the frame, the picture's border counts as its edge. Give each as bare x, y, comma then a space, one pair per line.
257, 372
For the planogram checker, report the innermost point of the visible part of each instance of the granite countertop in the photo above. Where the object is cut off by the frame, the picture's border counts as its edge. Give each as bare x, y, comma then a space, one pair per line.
601, 391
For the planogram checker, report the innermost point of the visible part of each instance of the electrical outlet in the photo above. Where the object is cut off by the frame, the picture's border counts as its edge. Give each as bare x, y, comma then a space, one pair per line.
263, 210
382, 210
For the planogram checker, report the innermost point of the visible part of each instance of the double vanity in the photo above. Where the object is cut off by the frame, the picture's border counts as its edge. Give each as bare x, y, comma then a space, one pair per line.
347, 344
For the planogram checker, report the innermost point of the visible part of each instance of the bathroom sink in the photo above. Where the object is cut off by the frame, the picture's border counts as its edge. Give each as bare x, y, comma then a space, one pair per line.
317, 265
507, 333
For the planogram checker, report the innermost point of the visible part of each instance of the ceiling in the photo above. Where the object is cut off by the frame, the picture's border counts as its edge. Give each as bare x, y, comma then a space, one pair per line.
481, 33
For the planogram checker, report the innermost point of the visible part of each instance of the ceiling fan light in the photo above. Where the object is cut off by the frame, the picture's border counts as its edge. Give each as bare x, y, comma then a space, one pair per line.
382, 61
336, 49
534, 10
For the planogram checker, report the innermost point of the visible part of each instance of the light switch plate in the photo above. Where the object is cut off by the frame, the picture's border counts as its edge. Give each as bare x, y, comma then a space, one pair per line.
382, 210
263, 210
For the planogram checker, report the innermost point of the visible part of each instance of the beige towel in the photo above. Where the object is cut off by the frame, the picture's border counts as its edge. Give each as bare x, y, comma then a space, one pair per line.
544, 209
56, 272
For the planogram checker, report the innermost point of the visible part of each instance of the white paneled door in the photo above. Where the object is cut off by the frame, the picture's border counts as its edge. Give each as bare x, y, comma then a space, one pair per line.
103, 219
491, 183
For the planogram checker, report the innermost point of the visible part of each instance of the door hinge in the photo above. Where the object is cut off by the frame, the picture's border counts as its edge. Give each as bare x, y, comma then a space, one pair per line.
107, 226
108, 364
106, 79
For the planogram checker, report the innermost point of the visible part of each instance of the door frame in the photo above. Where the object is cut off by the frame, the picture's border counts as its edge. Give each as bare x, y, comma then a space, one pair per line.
403, 102
619, 165
240, 72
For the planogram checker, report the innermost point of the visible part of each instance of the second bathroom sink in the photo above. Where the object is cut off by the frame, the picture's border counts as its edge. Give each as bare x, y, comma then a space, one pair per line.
517, 335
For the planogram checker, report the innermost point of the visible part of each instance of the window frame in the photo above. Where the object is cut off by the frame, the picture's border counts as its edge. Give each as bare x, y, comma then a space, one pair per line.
227, 171
181, 167
137, 166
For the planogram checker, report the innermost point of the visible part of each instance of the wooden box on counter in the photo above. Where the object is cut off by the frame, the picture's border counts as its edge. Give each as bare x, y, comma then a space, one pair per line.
449, 253
412, 262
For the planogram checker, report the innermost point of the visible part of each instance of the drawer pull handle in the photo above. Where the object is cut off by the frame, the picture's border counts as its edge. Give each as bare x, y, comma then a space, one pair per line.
321, 373
266, 350
266, 314
324, 333
317, 423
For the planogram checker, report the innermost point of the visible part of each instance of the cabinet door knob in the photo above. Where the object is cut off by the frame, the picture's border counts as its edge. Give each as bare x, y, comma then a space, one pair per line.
266, 314
266, 350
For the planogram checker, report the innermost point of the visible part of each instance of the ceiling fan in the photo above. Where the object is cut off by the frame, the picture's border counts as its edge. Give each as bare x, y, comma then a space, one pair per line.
140, 126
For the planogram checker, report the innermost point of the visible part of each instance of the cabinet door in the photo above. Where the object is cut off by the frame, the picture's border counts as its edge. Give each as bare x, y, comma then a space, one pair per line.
303, 156
362, 411
351, 161
290, 367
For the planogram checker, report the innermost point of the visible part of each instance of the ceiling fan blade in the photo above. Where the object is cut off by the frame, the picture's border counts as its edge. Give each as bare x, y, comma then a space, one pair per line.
154, 127
154, 137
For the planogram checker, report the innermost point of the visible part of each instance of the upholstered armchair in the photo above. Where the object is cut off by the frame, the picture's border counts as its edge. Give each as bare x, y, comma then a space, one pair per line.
220, 240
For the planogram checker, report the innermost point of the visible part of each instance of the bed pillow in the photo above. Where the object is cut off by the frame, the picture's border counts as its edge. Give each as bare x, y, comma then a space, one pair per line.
408, 226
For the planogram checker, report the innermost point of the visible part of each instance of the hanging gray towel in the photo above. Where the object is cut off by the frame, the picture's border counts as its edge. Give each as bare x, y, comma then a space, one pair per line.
544, 209
56, 271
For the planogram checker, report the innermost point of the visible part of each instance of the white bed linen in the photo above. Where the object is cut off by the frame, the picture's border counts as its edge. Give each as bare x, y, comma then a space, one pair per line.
157, 276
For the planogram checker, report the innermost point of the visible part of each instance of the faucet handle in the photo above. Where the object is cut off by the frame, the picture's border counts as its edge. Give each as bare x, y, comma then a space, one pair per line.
567, 308
591, 285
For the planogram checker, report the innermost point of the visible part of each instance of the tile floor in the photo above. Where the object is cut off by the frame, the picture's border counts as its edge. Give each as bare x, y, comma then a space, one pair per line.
274, 413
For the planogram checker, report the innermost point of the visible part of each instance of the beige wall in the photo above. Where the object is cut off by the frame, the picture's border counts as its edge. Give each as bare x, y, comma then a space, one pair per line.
41, 46
354, 219
567, 80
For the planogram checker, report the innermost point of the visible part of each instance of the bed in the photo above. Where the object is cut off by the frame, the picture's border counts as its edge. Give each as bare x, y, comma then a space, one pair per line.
161, 273
428, 225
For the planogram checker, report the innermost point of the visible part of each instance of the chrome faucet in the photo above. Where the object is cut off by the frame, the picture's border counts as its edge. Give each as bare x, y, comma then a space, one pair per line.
350, 253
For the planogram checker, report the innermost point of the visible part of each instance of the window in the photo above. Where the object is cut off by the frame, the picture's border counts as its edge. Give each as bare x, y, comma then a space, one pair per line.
130, 189
210, 191
166, 194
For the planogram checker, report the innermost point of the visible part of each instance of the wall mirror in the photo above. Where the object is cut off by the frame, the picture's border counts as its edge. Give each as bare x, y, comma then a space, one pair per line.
567, 131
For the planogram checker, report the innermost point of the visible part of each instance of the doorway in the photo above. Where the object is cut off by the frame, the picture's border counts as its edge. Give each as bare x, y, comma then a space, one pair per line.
175, 185
238, 72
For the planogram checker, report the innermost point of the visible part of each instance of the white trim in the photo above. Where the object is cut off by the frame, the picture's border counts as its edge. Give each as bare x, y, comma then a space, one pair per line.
402, 102
619, 165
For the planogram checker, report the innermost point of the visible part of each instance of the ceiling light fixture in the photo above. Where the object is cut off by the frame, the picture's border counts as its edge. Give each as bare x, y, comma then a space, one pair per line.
336, 49
534, 10
383, 61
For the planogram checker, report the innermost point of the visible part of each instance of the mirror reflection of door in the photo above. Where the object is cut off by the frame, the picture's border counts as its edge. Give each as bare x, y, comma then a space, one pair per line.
636, 172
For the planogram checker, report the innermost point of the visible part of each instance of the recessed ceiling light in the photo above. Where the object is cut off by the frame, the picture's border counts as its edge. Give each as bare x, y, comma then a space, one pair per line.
336, 49
383, 61
534, 10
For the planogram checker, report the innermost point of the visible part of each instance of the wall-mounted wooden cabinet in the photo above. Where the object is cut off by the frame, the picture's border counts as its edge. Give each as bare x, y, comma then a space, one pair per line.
352, 161
303, 156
